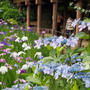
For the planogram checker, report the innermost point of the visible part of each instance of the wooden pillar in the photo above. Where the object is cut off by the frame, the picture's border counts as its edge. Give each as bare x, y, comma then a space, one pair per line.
27, 3
28, 22
78, 14
54, 18
38, 18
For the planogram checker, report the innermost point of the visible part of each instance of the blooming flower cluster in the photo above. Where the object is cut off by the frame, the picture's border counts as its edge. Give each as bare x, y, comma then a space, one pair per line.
16, 54
69, 72
24, 38
82, 24
3, 69
21, 87
2, 33
74, 59
40, 88
25, 46
56, 41
39, 55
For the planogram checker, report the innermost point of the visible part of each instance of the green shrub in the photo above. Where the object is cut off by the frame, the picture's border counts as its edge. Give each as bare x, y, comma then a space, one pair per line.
8, 11
12, 22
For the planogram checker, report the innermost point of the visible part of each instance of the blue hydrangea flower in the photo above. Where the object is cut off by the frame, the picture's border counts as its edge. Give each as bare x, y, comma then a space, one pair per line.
40, 88
76, 67
87, 82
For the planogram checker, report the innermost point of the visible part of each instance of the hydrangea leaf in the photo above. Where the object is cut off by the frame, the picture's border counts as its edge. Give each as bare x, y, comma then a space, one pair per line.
86, 20
26, 88
82, 35
47, 60
33, 79
75, 87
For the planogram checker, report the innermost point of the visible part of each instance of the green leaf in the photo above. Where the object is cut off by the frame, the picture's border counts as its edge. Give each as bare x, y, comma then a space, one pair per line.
86, 20
33, 68
75, 87
47, 60
33, 79
26, 88
61, 49
49, 47
58, 48
88, 47
52, 53
78, 50
87, 58
71, 3
82, 35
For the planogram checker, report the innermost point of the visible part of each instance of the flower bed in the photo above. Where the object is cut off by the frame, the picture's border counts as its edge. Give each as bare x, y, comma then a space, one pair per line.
29, 62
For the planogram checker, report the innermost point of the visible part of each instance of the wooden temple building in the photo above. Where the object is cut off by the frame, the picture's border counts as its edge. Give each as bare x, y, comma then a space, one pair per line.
55, 4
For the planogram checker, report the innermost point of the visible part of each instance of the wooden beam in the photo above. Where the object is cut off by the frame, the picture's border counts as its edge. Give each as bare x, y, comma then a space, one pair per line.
54, 1
38, 18
54, 18
78, 14
27, 2
18, 1
38, 1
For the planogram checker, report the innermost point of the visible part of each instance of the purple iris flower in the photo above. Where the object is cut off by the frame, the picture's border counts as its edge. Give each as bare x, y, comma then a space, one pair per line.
5, 43
30, 30
14, 26
22, 71
33, 60
3, 33
24, 29
13, 39
1, 47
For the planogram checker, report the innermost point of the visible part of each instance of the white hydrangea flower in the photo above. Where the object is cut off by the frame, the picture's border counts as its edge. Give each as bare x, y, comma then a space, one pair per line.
24, 38
3, 69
